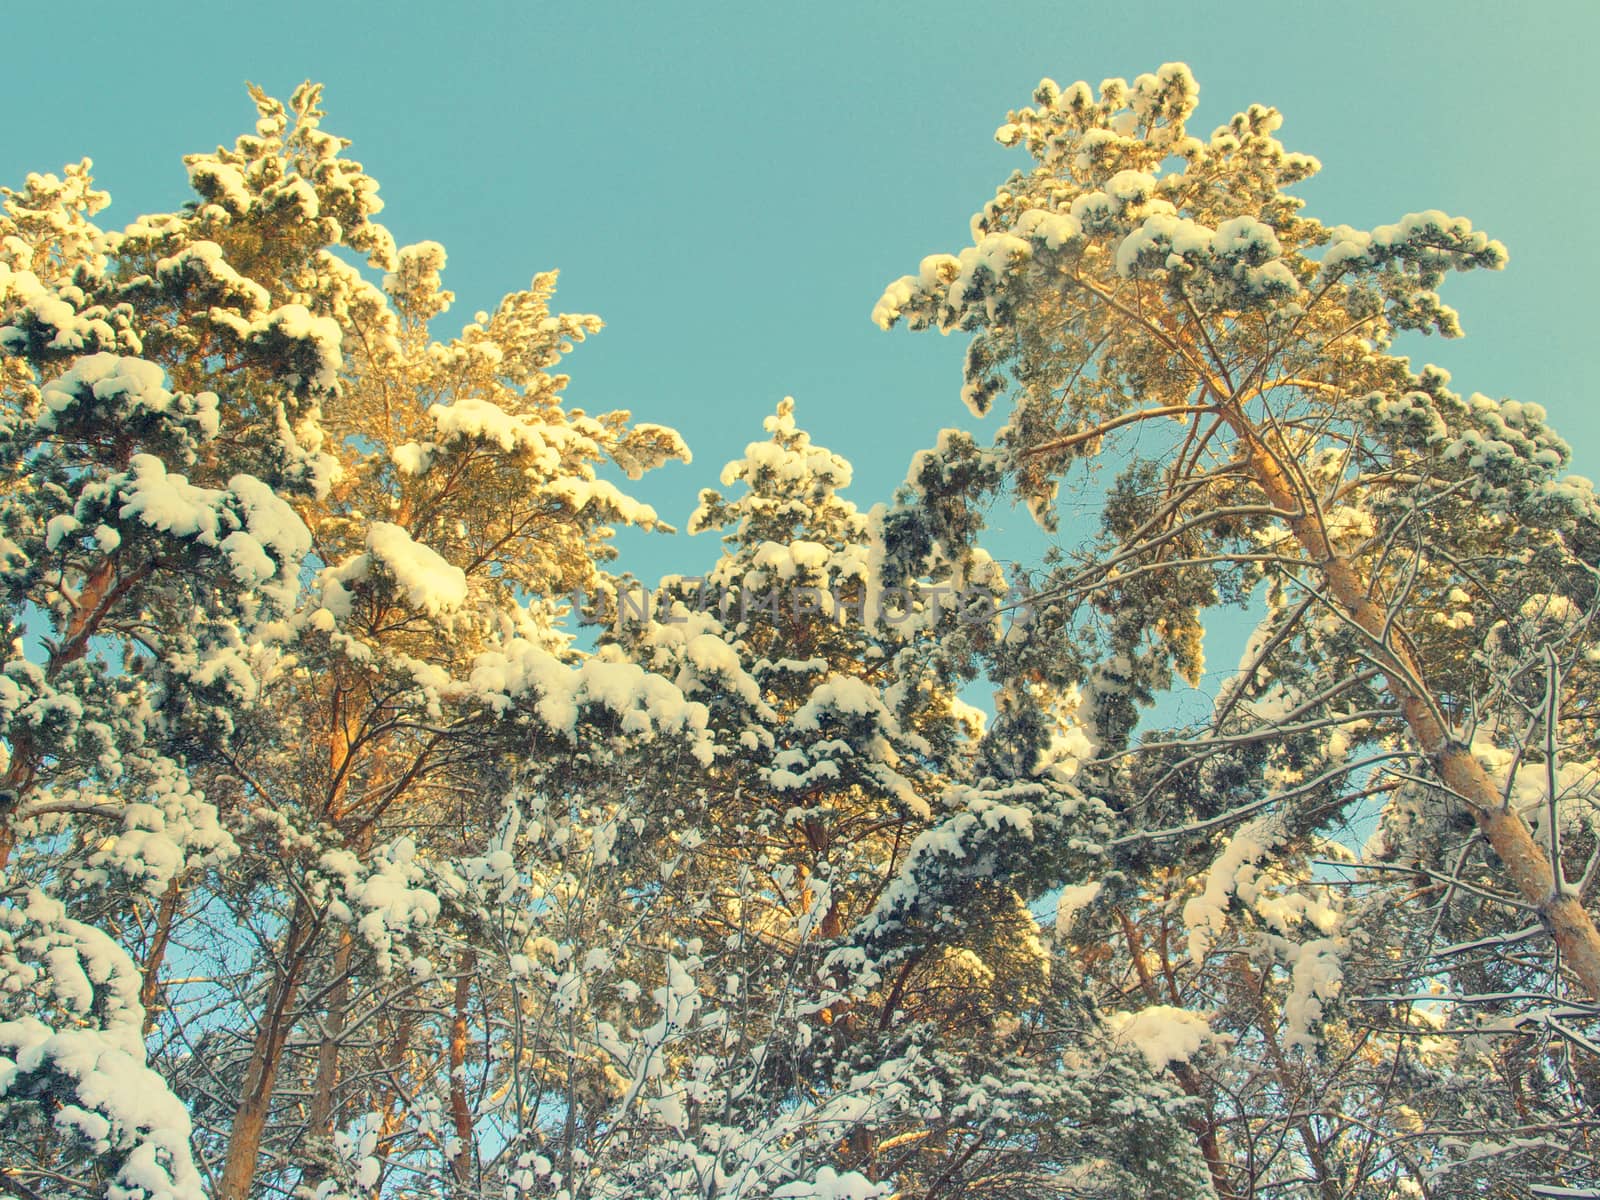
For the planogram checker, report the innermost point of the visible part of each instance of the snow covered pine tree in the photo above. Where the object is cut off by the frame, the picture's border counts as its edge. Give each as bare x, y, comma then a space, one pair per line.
332, 868
328, 872
1428, 577
277, 579
867, 854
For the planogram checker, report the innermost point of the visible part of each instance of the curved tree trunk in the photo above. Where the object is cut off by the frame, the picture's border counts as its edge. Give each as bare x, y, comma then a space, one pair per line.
1528, 867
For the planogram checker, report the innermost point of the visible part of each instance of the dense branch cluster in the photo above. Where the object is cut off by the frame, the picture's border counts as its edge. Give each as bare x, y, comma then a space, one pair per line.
344, 853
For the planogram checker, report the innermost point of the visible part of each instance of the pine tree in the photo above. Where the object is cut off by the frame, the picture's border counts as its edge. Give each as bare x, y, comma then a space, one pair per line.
868, 853
280, 580
335, 864
1158, 301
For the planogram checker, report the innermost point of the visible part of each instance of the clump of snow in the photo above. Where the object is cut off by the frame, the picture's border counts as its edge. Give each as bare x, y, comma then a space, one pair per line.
429, 582
269, 522
219, 182
92, 1065
472, 418
174, 829
134, 383
170, 502
321, 335
1074, 898
1162, 1033
953, 277
845, 695
1318, 977
1526, 782
1053, 229
203, 262
388, 895
42, 306
292, 334
832, 1185
645, 702
412, 458
113, 1102
1206, 915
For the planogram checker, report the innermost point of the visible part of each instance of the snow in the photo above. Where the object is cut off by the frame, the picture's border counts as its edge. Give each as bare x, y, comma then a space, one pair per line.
300, 197
305, 347
1162, 240
412, 458
605, 496
95, 1067
829, 1184
67, 979
649, 446
1527, 787
1072, 900
798, 559
1206, 915
59, 527
981, 826
116, 1096
1317, 978
271, 522
384, 898
845, 695
645, 702
1128, 189
429, 581
321, 335
419, 267
1053, 229
171, 830
170, 502
471, 418
220, 182
1170, 91
1246, 237
135, 383
1162, 1033
203, 260
1429, 238
896, 298
792, 461
52, 310
1348, 526
994, 256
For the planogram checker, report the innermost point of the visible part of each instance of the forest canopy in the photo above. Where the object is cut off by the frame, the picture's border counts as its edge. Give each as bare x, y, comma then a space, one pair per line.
367, 830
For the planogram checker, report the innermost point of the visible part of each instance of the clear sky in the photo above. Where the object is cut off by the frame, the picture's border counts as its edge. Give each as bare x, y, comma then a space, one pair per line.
731, 185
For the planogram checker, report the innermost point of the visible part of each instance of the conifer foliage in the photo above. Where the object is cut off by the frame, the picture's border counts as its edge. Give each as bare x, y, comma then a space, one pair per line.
277, 579
340, 861
1423, 572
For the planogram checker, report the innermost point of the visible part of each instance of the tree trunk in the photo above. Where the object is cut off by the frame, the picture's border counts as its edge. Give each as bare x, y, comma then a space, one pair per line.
327, 1076
266, 1054
101, 590
1253, 994
1530, 871
320, 1120
150, 989
392, 1106
460, 1112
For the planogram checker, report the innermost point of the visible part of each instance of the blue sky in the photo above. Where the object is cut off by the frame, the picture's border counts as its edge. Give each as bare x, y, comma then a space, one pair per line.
730, 186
